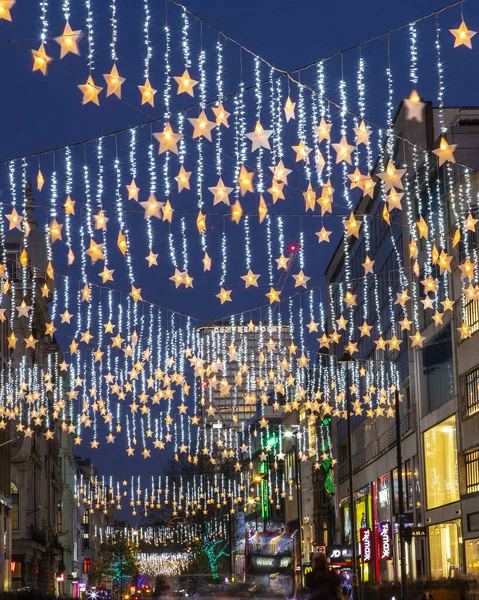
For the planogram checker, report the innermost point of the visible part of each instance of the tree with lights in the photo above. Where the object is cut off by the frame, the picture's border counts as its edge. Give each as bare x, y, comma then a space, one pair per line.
116, 559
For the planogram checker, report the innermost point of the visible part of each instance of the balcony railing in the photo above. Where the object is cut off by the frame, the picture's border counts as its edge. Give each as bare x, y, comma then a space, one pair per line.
378, 447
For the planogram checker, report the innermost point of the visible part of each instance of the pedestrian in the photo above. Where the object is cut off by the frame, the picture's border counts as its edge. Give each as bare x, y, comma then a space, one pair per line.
426, 596
323, 583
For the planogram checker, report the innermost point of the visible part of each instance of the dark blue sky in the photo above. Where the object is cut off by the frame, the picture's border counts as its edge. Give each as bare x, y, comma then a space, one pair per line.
40, 113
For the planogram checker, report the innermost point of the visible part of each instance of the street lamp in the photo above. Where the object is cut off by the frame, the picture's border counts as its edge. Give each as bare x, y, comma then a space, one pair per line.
346, 359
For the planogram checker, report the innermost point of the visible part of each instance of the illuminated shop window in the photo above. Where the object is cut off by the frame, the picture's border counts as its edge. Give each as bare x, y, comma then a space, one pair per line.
445, 548
472, 557
440, 458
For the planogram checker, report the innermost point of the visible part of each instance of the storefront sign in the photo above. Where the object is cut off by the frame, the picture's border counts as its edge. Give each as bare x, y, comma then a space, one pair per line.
270, 563
418, 532
366, 536
339, 554
385, 540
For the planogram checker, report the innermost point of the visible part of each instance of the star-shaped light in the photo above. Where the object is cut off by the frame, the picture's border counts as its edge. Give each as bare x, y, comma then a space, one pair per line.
437, 318
323, 235
202, 127
280, 172
392, 177
66, 317
276, 191
302, 152
282, 262
183, 179
201, 222
362, 134
245, 180
463, 36
168, 139
445, 152
69, 41
323, 131
90, 91
221, 115
147, 93
135, 293
394, 199
113, 82
220, 193
14, 220
206, 262
273, 295
289, 107
259, 137
414, 107
41, 60
186, 84
133, 190
95, 251
5, 7
152, 207
152, 259
365, 329
309, 198
417, 339
178, 278
122, 243
250, 279
23, 309
352, 226
100, 220
224, 295
368, 265
40, 180
343, 151
168, 211
301, 279
69, 206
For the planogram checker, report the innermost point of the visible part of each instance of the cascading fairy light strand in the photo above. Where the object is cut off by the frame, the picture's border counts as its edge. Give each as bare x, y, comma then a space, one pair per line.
146, 31
413, 76
166, 102
44, 19
259, 101
200, 141
90, 33
219, 92
114, 30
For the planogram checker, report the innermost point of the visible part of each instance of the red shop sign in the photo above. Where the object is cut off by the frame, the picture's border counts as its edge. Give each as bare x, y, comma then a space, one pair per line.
385, 540
366, 536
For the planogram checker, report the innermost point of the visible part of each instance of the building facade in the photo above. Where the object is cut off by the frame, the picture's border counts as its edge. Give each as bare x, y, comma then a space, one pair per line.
439, 412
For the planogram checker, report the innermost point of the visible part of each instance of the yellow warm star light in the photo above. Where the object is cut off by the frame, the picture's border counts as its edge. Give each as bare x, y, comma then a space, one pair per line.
289, 107
202, 126
221, 115
445, 152
55, 230
122, 243
114, 82
41, 60
352, 226
5, 7
186, 84
224, 296
90, 91
273, 295
40, 180
95, 251
147, 93
168, 139
463, 36
201, 222
23, 258
183, 179
69, 41
236, 212
245, 181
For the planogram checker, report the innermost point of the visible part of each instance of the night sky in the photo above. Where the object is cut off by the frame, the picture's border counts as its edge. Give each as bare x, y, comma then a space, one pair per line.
40, 113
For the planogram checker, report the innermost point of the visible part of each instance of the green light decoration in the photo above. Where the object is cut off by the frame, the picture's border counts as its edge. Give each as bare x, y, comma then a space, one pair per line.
209, 548
271, 442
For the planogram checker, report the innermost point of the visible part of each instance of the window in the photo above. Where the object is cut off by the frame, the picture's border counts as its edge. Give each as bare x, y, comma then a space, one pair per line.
440, 461
472, 557
437, 367
472, 315
15, 512
445, 541
471, 392
472, 472
86, 565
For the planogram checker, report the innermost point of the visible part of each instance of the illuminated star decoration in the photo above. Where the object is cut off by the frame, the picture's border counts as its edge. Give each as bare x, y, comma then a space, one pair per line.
414, 107
69, 41
168, 139
202, 127
259, 137
186, 84
445, 152
463, 36
220, 193
147, 93
343, 151
41, 60
90, 91
114, 82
